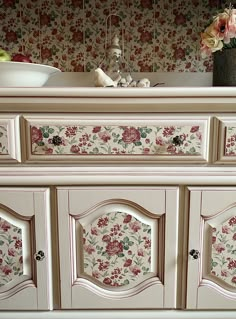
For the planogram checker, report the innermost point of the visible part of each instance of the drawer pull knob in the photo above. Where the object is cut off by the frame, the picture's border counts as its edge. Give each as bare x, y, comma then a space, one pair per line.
56, 140
177, 140
195, 254
39, 256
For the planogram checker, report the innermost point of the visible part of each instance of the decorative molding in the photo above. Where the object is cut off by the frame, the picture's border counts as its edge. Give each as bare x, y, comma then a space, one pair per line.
219, 289
117, 294
19, 287
116, 175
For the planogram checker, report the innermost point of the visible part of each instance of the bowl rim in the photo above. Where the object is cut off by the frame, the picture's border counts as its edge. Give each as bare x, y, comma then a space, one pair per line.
19, 65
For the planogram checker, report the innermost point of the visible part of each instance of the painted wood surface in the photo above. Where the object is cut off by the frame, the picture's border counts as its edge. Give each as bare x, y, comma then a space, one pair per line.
25, 223
212, 228
79, 207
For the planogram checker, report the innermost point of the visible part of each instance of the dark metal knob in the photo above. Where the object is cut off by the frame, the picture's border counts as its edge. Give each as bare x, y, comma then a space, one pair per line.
56, 140
39, 256
195, 254
177, 140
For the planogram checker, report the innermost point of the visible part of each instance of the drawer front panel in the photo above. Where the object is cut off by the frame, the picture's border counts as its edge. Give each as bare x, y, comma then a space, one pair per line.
9, 138
88, 138
226, 150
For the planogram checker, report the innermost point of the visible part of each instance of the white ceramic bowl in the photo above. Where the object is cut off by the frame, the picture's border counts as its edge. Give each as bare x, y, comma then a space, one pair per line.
22, 74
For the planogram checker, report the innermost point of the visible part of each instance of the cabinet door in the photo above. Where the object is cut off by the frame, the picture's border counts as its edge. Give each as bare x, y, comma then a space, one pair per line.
118, 247
211, 282
24, 249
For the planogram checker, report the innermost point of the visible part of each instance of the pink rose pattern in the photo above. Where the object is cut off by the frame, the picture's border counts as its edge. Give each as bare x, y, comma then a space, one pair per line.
3, 140
230, 141
116, 140
223, 263
11, 261
117, 249
159, 35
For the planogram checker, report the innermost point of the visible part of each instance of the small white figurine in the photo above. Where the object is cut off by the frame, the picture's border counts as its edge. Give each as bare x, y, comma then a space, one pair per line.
143, 83
101, 79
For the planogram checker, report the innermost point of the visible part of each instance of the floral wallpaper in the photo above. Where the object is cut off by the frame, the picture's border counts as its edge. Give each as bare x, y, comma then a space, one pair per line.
116, 140
156, 35
117, 249
11, 261
3, 140
224, 251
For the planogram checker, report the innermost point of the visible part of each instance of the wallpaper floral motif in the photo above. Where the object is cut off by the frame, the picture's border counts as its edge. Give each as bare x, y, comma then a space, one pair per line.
116, 140
11, 262
158, 35
224, 251
117, 249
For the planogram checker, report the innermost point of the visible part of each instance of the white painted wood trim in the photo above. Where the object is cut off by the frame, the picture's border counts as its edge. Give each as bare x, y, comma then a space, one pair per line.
171, 247
116, 314
90, 99
194, 265
43, 237
13, 136
119, 92
116, 175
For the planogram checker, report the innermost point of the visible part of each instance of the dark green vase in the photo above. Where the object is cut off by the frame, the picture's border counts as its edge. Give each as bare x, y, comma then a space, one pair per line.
224, 67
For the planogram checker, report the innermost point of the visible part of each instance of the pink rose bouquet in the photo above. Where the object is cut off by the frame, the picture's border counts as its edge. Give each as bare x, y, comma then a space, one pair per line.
220, 34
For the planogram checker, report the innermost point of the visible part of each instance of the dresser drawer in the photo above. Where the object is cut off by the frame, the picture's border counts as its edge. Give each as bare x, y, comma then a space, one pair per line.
226, 140
117, 138
9, 138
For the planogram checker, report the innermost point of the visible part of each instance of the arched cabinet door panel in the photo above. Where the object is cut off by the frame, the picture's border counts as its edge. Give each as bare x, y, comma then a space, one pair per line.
24, 249
211, 282
113, 247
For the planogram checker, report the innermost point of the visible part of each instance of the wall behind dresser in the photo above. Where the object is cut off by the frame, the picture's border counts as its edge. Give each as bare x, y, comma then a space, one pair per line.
158, 36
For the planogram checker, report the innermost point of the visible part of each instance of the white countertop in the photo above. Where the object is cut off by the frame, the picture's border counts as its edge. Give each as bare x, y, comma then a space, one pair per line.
75, 92
94, 92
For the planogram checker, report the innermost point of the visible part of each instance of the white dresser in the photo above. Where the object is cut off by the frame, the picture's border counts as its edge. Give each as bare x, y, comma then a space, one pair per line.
117, 203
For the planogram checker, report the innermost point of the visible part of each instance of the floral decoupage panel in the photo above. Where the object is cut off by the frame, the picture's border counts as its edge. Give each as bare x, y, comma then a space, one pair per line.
3, 140
223, 263
117, 249
11, 256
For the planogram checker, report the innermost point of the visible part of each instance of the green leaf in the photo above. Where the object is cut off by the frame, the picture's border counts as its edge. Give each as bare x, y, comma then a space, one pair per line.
138, 143
126, 239
50, 130
45, 135
192, 150
143, 135
1, 242
121, 255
